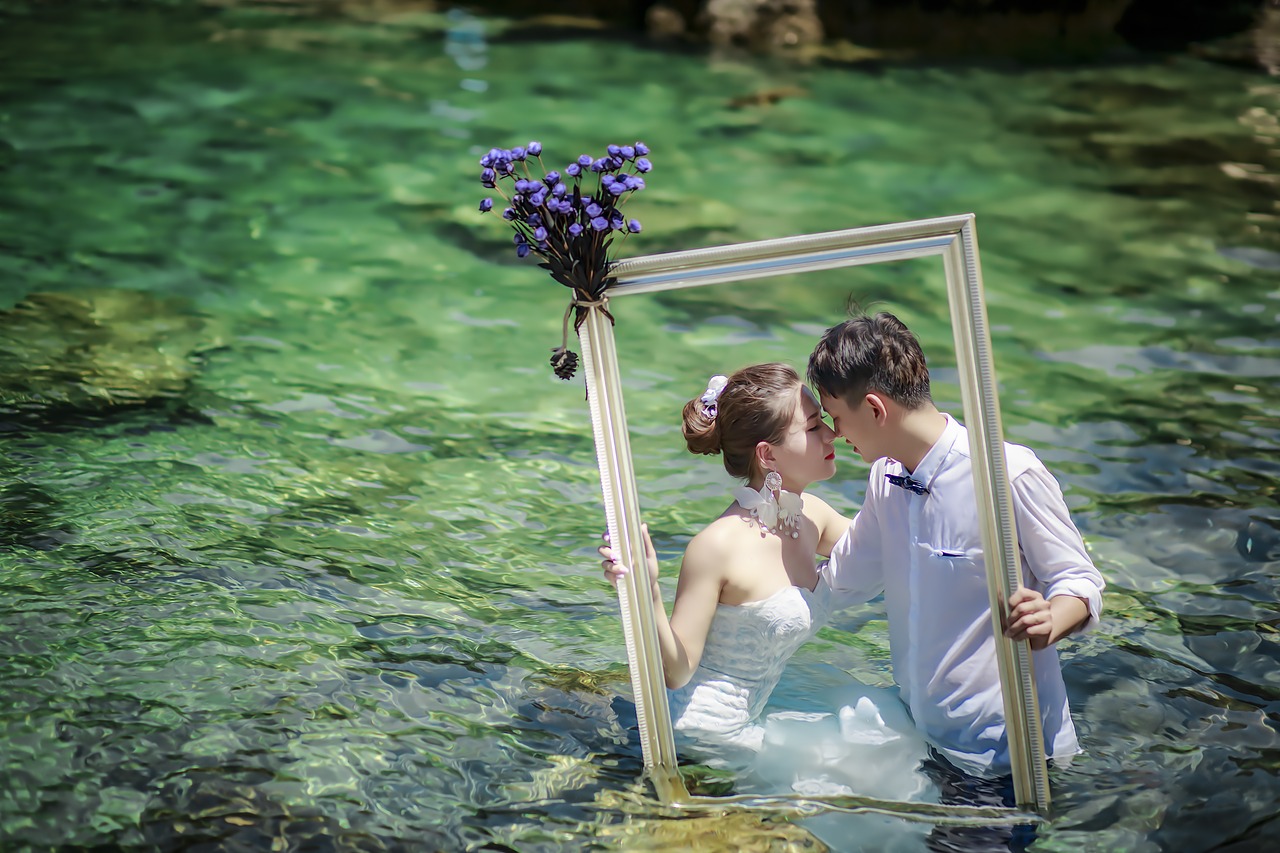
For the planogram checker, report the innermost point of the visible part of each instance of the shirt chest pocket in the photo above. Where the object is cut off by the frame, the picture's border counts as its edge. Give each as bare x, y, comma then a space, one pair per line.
956, 566
946, 552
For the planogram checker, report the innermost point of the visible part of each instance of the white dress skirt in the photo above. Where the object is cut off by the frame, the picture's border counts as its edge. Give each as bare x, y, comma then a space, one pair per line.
865, 744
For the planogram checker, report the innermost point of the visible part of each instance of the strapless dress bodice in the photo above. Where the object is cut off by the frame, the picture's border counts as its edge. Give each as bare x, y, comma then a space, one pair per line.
747, 648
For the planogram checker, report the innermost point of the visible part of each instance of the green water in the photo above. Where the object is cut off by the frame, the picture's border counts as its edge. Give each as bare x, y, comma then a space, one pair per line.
336, 585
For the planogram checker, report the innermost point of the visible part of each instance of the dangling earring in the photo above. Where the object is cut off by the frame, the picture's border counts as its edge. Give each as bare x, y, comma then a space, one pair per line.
790, 505
772, 506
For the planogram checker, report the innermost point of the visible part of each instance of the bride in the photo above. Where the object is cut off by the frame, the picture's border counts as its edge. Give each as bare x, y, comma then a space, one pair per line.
751, 592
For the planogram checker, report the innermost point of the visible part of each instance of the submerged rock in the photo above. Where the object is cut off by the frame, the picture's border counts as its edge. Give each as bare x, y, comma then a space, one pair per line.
96, 351
30, 517
762, 25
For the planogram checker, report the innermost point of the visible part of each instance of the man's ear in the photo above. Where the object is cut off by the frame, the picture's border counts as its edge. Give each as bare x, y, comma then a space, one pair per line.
879, 407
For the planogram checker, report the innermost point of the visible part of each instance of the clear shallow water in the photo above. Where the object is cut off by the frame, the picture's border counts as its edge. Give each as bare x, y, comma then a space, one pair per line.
339, 583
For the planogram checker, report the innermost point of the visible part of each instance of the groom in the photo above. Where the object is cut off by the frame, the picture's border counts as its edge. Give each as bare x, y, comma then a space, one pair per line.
917, 540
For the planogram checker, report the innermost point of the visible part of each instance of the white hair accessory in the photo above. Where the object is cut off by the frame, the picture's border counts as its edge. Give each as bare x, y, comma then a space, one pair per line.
710, 397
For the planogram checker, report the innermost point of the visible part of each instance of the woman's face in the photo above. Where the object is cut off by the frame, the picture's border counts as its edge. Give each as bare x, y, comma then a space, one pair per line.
807, 453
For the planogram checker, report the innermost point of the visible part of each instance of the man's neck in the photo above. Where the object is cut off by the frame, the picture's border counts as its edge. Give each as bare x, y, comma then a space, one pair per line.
920, 430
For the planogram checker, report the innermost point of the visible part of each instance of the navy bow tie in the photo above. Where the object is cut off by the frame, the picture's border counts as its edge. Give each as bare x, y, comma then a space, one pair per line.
905, 482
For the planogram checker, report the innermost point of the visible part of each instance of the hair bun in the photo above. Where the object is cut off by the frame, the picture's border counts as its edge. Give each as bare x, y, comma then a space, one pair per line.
701, 432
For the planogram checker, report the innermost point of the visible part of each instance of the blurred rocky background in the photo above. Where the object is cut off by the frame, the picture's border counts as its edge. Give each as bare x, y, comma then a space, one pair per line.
1242, 32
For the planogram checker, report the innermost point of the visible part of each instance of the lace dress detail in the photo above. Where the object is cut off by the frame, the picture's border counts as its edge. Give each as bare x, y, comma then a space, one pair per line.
747, 649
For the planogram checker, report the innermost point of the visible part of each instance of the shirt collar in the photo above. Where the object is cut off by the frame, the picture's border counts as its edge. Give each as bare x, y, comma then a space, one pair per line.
932, 461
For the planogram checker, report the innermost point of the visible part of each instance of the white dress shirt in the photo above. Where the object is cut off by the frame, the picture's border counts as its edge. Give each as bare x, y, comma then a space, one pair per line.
924, 552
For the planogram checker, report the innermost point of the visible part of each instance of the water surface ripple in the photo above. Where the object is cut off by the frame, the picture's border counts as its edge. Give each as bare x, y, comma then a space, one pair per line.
330, 584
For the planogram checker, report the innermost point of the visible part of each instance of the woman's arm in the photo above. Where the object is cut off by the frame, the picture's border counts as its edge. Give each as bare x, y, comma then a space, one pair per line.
683, 635
697, 594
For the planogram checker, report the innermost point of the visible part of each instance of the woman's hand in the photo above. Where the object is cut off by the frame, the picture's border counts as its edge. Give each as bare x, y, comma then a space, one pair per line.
614, 570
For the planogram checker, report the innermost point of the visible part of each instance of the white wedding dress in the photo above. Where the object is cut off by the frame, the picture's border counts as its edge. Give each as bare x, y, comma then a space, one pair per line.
865, 744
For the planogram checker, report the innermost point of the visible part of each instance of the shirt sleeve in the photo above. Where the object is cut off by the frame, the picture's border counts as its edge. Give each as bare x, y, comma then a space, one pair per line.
1051, 545
854, 571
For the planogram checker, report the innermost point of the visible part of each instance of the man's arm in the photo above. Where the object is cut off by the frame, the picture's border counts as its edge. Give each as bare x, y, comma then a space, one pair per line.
855, 569
1063, 594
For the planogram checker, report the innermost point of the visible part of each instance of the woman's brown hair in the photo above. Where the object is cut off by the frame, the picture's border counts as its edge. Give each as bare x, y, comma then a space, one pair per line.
757, 404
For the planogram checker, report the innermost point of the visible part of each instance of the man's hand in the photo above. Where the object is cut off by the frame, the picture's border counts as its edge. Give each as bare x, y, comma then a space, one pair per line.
1029, 618
1043, 622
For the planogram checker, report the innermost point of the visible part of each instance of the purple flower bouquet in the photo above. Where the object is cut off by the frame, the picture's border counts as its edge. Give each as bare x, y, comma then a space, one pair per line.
566, 224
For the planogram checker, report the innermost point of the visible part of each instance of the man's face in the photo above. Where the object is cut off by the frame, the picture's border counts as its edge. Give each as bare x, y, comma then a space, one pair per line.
856, 425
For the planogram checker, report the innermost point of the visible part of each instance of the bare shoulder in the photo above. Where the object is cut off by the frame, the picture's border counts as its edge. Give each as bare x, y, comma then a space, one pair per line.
709, 555
715, 542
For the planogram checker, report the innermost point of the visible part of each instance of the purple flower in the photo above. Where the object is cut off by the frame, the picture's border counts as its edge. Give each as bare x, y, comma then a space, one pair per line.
558, 220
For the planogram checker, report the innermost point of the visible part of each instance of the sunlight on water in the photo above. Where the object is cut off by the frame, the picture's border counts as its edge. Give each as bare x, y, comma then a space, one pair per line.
308, 556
